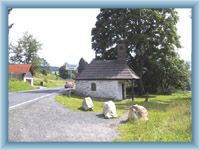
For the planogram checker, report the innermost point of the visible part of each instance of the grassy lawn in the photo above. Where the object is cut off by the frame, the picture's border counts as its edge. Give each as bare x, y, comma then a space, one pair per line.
75, 104
50, 80
49, 83
169, 117
15, 86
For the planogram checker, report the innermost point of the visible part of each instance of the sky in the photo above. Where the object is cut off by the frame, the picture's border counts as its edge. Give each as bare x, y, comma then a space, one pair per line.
65, 34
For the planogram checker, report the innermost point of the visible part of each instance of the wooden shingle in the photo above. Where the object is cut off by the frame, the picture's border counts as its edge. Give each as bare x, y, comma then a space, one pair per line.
107, 70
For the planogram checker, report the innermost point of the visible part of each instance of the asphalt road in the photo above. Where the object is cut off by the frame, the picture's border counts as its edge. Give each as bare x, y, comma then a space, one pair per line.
17, 98
45, 120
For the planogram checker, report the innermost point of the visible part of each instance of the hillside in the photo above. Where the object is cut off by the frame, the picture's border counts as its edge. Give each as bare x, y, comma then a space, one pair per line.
50, 80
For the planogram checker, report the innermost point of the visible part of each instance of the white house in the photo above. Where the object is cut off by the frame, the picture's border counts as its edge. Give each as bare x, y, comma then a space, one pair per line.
106, 78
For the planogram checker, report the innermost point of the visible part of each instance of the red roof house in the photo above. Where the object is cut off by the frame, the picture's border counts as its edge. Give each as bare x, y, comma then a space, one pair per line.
21, 72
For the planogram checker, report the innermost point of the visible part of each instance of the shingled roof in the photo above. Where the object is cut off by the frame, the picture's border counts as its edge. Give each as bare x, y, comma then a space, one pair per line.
107, 70
19, 68
110, 69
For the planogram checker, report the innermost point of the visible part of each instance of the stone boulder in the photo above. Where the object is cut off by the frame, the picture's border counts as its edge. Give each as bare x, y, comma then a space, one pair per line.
137, 112
87, 104
109, 110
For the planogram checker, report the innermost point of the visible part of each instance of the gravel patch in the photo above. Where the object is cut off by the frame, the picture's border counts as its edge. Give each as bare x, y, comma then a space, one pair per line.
46, 120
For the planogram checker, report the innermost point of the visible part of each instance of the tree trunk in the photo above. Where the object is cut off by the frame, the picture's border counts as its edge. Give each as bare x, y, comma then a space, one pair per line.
142, 91
141, 85
133, 90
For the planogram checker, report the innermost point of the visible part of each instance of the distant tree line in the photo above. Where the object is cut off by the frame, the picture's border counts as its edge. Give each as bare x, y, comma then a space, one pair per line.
67, 74
71, 74
152, 40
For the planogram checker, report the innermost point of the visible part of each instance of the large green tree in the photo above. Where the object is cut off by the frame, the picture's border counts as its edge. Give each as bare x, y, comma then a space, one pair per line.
152, 38
25, 50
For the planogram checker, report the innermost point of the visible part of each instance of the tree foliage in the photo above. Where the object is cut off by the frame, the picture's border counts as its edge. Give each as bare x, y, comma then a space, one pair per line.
67, 73
41, 65
63, 72
82, 65
25, 51
152, 38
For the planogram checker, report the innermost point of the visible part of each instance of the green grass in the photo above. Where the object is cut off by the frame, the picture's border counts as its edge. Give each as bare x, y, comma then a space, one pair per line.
49, 76
15, 86
168, 122
169, 117
55, 83
50, 80
75, 103
49, 83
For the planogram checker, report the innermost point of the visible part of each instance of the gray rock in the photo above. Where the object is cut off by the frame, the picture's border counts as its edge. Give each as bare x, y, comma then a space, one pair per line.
87, 104
138, 112
109, 110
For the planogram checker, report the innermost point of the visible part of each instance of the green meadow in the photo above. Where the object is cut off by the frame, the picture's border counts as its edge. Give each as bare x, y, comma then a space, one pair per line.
169, 116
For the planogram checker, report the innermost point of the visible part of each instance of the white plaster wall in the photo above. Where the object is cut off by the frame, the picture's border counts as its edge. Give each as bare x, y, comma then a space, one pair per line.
25, 78
104, 88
